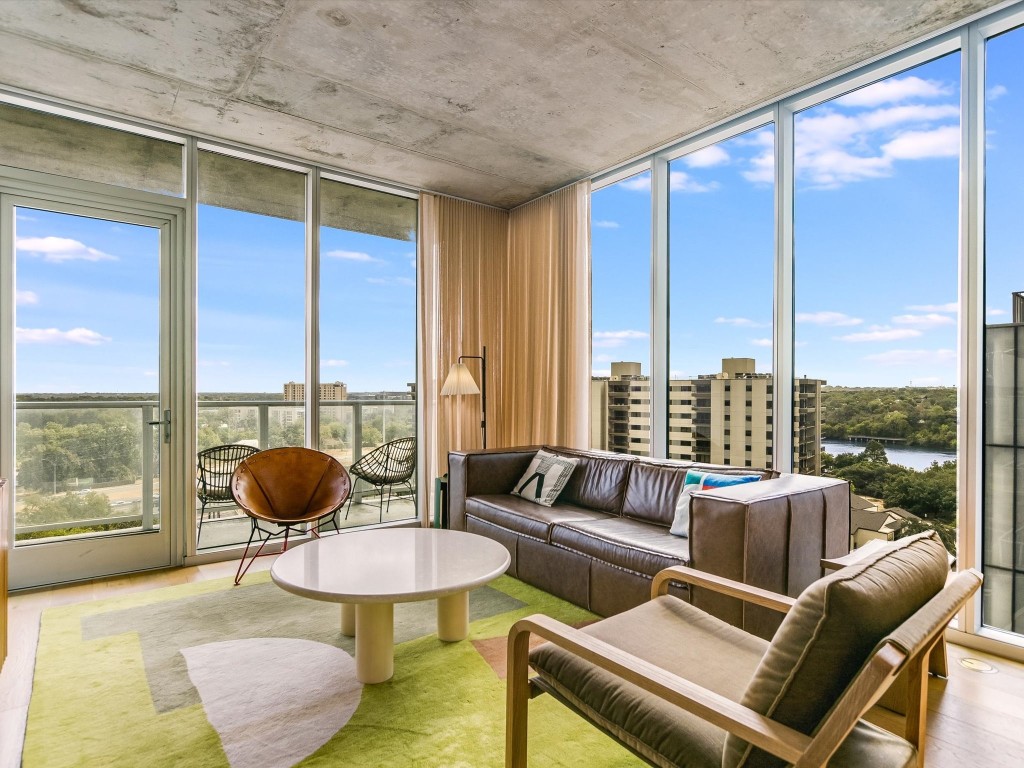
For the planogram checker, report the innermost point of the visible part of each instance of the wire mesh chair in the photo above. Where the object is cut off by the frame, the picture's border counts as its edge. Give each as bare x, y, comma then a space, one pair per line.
386, 466
283, 489
213, 476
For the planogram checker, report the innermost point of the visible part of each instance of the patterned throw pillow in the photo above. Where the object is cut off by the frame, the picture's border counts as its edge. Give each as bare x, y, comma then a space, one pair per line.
697, 481
545, 478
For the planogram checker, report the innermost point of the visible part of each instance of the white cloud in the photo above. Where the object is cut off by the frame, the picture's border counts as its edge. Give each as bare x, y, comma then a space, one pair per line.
333, 363
707, 157
833, 148
919, 145
997, 312
24, 217
406, 281
913, 357
616, 338
351, 256
638, 183
950, 306
605, 224
761, 342
740, 322
678, 181
214, 364
56, 336
827, 318
881, 334
25, 298
61, 249
149, 374
603, 359
683, 182
895, 90
996, 92
929, 320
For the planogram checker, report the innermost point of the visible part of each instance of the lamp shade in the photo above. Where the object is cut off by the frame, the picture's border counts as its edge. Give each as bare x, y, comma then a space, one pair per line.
460, 382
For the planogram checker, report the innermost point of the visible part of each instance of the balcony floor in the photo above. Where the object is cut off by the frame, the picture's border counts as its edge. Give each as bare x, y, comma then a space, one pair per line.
227, 526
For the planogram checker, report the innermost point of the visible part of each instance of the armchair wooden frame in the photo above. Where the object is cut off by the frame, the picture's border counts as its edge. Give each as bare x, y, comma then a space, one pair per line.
907, 648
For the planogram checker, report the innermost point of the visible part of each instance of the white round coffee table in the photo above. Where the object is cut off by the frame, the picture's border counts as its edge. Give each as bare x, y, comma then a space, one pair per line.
369, 571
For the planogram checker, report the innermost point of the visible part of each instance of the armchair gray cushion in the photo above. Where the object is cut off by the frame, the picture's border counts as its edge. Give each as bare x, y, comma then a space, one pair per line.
827, 636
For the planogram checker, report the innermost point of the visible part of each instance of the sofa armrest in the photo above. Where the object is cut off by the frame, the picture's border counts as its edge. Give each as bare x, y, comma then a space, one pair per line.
477, 473
772, 535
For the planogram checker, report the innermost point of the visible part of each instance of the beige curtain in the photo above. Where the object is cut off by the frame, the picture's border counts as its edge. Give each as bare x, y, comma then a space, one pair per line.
519, 284
547, 324
463, 255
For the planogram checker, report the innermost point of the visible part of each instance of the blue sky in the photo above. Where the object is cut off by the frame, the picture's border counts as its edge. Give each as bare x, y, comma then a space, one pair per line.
87, 305
876, 240
876, 252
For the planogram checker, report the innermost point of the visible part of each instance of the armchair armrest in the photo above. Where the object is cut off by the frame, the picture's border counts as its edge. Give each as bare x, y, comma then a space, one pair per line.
763, 732
722, 585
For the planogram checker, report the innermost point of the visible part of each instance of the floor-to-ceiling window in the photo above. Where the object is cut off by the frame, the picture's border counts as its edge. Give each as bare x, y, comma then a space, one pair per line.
875, 285
1003, 485
621, 330
251, 317
721, 298
888, 228
368, 341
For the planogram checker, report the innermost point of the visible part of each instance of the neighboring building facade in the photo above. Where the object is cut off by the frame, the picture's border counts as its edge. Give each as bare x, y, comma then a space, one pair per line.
721, 418
335, 391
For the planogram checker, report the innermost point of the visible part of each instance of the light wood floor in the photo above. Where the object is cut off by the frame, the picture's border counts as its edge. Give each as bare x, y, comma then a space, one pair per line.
974, 720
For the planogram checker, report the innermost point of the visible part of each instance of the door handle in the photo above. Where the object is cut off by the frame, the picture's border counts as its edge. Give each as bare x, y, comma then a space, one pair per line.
166, 421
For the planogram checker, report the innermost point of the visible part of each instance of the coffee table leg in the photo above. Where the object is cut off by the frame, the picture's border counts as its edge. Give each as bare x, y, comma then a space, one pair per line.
348, 619
453, 617
375, 642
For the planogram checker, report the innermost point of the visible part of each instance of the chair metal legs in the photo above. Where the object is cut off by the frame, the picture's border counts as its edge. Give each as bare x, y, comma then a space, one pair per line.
380, 498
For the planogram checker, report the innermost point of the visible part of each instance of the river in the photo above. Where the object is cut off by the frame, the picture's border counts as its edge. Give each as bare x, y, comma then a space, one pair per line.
915, 458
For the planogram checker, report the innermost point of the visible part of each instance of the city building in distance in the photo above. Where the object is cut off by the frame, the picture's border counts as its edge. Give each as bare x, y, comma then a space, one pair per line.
334, 391
720, 418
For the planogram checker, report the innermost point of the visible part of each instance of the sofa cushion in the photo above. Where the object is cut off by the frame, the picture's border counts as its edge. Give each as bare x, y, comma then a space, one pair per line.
599, 480
654, 488
524, 517
630, 544
830, 632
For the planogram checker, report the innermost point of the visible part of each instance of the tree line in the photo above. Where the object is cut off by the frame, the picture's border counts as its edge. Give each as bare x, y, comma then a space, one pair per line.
922, 416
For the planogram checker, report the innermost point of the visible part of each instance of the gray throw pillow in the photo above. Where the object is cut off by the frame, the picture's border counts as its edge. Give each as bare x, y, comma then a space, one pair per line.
545, 478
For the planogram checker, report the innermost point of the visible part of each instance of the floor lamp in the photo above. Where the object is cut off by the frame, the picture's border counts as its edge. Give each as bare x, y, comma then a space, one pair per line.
460, 382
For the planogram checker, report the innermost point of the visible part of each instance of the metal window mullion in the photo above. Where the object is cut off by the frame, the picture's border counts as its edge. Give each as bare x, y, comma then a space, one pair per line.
659, 307
312, 404
188, 326
971, 395
782, 343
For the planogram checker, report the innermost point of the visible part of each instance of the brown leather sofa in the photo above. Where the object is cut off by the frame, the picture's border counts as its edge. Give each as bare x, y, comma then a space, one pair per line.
606, 536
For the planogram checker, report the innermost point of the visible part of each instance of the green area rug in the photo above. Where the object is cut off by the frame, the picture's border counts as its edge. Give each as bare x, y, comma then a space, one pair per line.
213, 675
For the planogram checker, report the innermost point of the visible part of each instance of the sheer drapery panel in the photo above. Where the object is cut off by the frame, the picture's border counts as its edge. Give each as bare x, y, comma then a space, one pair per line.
547, 328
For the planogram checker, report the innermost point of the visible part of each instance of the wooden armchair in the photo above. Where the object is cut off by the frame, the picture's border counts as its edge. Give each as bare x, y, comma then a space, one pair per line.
677, 686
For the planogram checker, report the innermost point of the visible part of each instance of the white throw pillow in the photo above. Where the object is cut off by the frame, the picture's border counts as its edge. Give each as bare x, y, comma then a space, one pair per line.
681, 522
545, 478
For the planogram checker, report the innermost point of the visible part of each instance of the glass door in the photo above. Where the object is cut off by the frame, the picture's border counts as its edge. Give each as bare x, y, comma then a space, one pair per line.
90, 418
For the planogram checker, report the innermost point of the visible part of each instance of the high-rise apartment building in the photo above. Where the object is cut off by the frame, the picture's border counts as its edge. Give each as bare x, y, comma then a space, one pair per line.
334, 391
720, 418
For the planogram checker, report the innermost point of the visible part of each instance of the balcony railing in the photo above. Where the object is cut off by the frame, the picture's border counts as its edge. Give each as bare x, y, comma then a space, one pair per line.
108, 448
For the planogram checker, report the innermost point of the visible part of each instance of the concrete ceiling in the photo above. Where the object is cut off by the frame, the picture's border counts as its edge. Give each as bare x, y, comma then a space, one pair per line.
493, 100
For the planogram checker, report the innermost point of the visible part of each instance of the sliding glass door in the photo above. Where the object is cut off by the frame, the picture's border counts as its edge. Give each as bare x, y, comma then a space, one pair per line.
91, 418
